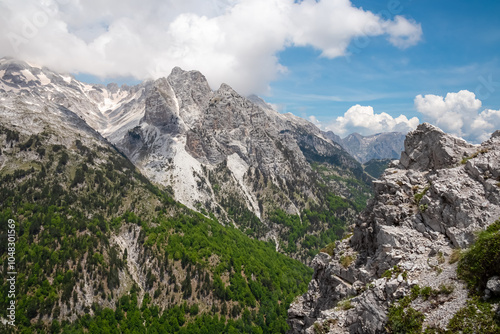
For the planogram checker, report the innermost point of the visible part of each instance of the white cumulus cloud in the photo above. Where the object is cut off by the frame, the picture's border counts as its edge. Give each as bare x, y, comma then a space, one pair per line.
363, 120
232, 41
460, 114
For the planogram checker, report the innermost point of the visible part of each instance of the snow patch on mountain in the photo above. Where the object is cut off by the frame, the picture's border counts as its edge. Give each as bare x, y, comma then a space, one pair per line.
28, 75
43, 79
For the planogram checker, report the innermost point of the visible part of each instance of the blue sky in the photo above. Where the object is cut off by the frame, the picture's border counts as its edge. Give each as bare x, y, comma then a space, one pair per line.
363, 66
459, 50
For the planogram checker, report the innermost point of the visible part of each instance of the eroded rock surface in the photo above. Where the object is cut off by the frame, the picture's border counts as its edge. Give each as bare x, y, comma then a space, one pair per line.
432, 201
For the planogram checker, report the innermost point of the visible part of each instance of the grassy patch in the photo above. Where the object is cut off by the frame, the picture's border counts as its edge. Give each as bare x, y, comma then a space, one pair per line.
455, 255
403, 319
476, 317
347, 260
345, 304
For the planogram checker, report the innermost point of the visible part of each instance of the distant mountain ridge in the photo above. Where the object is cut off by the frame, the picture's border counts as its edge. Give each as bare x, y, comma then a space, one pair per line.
386, 145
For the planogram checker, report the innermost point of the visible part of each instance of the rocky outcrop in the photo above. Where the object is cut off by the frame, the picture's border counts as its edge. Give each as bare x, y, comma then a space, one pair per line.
429, 148
493, 286
432, 201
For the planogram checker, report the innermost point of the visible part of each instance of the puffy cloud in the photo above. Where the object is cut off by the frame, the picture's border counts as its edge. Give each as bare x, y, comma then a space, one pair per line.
232, 41
363, 120
402, 32
458, 113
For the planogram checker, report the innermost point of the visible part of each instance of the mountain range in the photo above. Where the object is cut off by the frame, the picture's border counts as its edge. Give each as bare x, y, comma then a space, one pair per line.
163, 198
216, 152
380, 146
170, 207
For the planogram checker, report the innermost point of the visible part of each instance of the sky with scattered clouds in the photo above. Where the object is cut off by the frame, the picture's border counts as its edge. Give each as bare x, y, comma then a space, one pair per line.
365, 66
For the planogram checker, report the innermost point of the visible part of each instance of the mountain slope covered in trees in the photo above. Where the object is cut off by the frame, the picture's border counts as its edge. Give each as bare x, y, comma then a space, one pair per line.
100, 247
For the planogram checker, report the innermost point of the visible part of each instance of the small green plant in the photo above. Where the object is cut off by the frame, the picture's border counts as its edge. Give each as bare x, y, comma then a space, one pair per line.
423, 207
482, 260
347, 236
418, 196
426, 292
346, 261
464, 160
318, 329
345, 304
394, 271
441, 258
329, 249
387, 273
446, 289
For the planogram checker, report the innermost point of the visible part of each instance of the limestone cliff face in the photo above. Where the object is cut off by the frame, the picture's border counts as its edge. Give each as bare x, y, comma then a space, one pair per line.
223, 153
431, 201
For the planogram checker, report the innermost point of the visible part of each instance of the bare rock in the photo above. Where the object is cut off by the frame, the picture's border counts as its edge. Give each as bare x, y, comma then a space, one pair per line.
427, 147
493, 285
432, 202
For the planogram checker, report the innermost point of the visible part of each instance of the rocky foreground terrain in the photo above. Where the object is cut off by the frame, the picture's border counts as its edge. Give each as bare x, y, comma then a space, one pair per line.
405, 245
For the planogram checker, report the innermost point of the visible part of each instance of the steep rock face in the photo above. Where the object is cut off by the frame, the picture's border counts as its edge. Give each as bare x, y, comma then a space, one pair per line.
217, 152
441, 192
387, 145
430, 148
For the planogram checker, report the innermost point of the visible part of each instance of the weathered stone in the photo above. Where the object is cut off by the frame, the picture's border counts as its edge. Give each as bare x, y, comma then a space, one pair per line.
493, 285
430, 148
441, 204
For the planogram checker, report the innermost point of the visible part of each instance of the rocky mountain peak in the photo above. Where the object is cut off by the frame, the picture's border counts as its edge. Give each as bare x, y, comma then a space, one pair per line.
226, 89
428, 147
192, 93
188, 81
162, 109
435, 200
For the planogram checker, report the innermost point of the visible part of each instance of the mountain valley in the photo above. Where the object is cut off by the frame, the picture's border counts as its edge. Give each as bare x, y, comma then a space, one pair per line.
169, 207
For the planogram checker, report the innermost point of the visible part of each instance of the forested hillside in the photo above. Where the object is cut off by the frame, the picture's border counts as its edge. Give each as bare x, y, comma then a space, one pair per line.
100, 249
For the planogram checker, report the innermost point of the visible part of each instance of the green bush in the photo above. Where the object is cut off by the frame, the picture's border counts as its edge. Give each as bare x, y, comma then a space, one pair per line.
329, 249
404, 320
482, 260
476, 317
